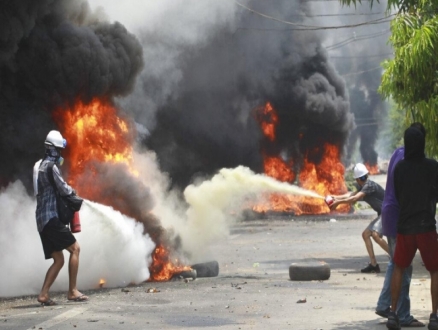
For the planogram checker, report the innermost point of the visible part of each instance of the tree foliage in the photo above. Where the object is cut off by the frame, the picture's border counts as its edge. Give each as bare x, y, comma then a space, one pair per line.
411, 77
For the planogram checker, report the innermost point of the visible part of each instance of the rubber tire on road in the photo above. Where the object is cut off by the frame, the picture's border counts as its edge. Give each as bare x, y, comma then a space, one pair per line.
309, 271
207, 269
187, 274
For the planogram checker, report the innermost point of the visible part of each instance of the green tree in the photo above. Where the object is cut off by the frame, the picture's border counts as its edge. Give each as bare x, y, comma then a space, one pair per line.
411, 77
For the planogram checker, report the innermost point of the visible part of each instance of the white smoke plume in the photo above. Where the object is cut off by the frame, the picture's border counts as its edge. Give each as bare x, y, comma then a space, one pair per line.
210, 206
216, 204
113, 247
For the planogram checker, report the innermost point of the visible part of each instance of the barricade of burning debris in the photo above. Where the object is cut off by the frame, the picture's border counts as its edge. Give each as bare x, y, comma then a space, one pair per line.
167, 262
204, 269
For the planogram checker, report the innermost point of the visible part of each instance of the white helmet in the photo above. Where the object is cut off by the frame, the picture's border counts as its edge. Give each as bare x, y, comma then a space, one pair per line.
55, 139
360, 170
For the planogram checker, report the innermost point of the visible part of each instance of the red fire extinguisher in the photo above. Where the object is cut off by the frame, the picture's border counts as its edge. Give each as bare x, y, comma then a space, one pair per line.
75, 224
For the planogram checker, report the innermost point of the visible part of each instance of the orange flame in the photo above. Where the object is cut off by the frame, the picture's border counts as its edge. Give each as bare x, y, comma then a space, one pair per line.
373, 169
97, 135
163, 269
268, 119
278, 169
324, 178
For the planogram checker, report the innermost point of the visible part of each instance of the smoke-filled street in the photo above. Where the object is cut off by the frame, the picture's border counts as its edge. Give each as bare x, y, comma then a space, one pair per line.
193, 131
252, 291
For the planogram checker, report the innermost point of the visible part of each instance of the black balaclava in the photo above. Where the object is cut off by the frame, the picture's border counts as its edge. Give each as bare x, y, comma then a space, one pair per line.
52, 153
414, 143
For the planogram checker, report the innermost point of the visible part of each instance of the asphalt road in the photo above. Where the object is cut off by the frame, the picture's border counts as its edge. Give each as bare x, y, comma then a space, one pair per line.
252, 291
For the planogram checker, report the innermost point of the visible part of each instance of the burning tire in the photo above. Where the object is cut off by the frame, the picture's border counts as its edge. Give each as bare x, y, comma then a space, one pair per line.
309, 271
207, 269
186, 274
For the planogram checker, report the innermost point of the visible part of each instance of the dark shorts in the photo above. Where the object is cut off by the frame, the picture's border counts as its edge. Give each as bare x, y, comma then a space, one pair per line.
407, 246
55, 237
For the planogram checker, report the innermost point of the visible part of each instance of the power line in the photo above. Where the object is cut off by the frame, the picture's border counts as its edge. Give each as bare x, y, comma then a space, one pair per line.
359, 72
336, 15
363, 56
313, 27
371, 124
364, 120
355, 38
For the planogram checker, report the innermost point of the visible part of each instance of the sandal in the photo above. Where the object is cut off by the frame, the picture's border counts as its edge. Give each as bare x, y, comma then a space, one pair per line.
49, 302
413, 324
433, 322
80, 298
393, 322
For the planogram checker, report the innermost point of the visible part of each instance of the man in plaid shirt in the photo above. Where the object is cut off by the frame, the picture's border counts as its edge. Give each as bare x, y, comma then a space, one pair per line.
55, 236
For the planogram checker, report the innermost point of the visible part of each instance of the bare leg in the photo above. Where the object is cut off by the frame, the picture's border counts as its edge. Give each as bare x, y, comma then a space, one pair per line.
52, 273
366, 235
396, 284
434, 290
73, 267
381, 241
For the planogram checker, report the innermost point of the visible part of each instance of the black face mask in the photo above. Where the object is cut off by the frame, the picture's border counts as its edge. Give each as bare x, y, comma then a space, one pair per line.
363, 178
55, 153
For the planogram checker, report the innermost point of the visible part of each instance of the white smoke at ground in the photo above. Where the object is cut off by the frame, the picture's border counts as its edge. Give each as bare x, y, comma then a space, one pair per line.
113, 247
168, 204
209, 208
216, 204
23, 267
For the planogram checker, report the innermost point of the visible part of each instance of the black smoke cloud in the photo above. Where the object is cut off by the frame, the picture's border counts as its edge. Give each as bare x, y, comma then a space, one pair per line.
53, 53
124, 192
357, 54
209, 122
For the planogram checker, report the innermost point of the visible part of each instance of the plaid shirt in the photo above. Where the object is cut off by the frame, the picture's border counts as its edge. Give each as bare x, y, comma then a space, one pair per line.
46, 198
